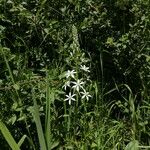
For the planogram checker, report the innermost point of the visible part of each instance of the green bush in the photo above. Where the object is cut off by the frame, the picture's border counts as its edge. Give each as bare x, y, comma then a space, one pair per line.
98, 51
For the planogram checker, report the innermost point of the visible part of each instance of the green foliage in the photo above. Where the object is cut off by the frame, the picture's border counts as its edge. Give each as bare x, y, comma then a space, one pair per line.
8, 137
104, 44
133, 145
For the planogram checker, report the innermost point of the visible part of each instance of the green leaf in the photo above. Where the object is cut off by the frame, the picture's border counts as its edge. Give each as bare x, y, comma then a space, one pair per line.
133, 145
110, 41
22, 140
13, 119
55, 144
36, 116
8, 137
16, 86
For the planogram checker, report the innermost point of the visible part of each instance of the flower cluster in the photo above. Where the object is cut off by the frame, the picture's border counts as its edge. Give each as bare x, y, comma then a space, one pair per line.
77, 78
75, 85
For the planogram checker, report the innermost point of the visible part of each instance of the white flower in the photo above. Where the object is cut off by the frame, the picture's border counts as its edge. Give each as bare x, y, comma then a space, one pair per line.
78, 85
67, 84
86, 95
70, 98
86, 69
88, 78
70, 74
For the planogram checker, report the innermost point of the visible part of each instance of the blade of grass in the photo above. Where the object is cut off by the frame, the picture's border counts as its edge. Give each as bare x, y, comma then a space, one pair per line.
22, 140
8, 137
49, 99
11, 75
36, 116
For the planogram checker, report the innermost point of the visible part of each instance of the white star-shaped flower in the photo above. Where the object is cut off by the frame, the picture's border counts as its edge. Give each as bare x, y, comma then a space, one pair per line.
78, 84
85, 95
67, 84
70, 73
70, 98
86, 69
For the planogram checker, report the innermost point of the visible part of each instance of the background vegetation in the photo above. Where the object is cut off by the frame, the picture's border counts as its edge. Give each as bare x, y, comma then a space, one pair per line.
105, 43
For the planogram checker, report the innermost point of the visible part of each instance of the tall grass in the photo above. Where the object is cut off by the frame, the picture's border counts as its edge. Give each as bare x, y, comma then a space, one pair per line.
85, 126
